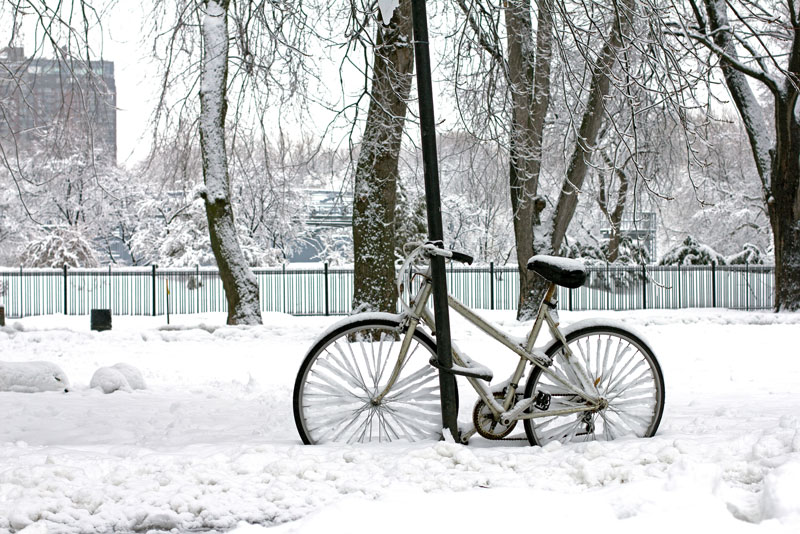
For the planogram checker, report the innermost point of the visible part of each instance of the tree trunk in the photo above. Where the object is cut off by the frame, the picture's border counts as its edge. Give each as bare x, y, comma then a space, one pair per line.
529, 79
776, 161
241, 289
614, 217
783, 205
375, 190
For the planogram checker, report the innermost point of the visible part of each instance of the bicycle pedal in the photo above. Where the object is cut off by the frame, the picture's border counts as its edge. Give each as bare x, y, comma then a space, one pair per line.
481, 373
542, 401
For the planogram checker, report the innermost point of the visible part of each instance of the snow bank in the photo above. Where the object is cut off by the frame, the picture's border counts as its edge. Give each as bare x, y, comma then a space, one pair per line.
32, 377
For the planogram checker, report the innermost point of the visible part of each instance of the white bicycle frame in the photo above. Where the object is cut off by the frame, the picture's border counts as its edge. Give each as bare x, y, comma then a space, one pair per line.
508, 409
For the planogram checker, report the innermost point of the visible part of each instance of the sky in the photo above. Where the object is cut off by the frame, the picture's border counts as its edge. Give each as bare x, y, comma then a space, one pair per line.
135, 79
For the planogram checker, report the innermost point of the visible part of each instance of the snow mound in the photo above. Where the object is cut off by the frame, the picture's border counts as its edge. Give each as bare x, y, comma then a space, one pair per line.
32, 377
131, 374
779, 496
119, 377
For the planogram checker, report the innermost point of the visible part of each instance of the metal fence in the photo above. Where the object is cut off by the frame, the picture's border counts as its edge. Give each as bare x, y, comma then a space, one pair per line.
329, 291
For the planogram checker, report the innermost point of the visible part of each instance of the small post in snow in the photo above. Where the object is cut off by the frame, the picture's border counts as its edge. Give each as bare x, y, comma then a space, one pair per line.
327, 306
167, 300
153, 279
65, 289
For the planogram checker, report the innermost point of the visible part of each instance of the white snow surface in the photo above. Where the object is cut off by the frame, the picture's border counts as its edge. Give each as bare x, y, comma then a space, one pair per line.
211, 443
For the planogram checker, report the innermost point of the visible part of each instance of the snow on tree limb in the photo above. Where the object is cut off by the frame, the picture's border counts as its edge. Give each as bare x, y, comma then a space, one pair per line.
739, 87
214, 72
387, 8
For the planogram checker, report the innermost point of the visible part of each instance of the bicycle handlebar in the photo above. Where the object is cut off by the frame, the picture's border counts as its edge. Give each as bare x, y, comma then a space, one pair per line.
461, 257
435, 249
427, 249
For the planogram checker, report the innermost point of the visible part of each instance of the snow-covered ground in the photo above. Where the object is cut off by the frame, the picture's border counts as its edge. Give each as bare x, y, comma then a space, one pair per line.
211, 443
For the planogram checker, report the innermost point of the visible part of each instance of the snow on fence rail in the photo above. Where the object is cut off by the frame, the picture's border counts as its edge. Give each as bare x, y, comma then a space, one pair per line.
329, 290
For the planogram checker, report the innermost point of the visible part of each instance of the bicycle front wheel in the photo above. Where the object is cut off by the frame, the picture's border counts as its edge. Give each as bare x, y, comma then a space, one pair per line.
623, 373
338, 388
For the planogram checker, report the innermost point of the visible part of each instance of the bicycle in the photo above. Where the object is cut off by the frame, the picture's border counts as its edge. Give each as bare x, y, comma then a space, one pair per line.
373, 376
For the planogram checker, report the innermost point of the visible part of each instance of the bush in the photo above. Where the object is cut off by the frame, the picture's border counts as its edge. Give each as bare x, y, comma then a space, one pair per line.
62, 246
691, 252
751, 255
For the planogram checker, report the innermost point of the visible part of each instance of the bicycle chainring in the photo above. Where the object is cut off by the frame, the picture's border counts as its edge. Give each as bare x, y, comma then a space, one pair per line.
485, 424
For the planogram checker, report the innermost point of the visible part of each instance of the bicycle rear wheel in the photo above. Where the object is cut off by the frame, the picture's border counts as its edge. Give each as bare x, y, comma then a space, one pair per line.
624, 373
337, 387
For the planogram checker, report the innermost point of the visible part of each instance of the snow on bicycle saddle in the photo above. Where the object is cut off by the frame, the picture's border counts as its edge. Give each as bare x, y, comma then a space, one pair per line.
562, 271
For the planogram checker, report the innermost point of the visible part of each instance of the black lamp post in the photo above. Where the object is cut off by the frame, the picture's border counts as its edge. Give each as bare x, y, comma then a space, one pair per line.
447, 381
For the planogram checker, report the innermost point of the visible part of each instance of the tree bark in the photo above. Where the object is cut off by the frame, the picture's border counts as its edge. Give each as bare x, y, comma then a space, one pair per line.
783, 205
614, 217
375, 189
529, 80
777, 160
241, 289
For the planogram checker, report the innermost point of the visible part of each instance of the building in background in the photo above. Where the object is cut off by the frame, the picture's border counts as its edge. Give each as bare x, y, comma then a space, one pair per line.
64, 102
328, 210
641, 228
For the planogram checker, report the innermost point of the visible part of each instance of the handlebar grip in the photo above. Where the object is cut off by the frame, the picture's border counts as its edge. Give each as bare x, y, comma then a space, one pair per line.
461, 257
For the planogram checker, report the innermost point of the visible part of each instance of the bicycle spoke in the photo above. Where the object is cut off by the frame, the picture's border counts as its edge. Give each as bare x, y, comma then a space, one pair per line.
346, 377
345, 363
646, 378
330, 389
368, 367
566, 430
379, 374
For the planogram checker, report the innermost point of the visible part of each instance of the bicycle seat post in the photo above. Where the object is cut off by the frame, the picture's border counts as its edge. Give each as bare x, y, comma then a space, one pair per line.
548, 296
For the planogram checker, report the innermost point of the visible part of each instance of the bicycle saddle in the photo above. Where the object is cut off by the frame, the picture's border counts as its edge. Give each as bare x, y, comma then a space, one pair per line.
562, 271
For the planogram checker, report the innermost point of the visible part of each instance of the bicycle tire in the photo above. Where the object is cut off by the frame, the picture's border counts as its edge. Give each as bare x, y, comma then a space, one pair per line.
625, 373
344, 372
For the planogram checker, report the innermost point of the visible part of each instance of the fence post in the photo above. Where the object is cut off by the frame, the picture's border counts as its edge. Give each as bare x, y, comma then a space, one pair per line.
608, 293
21, 291
644, 287
109, 286
747, 283
65, 289
491, 285
154, 290
680, 295
327, 308
283, 286
197, 285
713, 285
